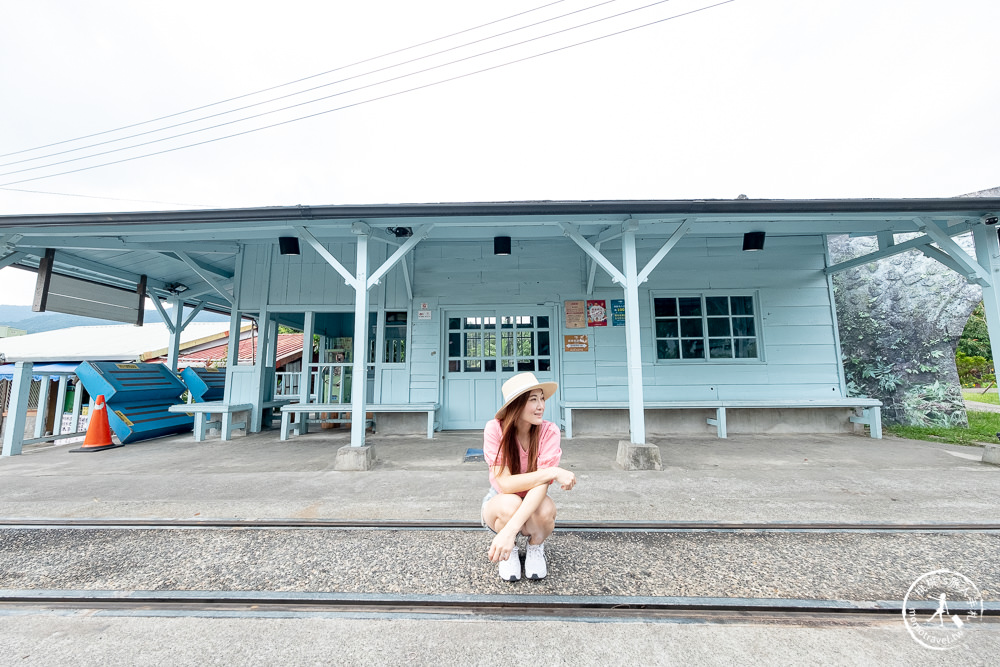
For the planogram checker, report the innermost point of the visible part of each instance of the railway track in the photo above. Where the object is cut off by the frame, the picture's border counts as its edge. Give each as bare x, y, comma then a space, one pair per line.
61, 535
393, 524
594, 608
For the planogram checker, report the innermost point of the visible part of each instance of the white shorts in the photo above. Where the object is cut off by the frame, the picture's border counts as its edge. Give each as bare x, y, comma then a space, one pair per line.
482, 512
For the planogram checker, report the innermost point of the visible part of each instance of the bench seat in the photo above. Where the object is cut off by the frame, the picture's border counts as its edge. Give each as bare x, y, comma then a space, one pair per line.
871, 409
305, 409
430, 408
203, 412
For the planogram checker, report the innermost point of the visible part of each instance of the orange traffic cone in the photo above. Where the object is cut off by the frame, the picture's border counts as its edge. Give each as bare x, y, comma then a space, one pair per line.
98, 430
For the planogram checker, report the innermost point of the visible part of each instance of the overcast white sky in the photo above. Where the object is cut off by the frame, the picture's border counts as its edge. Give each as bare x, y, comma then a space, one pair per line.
769, 98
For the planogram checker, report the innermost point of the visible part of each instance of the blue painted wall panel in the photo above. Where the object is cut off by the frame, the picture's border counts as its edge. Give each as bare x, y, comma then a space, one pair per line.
794, 308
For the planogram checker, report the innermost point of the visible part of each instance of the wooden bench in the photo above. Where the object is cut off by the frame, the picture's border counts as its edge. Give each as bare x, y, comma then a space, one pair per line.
202, 417
305, 409
267, 408
871, 409
430, 408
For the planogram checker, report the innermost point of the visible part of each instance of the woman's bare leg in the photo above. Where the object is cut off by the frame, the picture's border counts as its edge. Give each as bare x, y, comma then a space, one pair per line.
541, 524
538, 527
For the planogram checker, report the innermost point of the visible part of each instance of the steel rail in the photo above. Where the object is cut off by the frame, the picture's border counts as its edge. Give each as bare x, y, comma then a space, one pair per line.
439, 524
569, 606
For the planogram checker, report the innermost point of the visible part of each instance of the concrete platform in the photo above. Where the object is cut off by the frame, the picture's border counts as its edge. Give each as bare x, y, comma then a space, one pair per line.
784, 478
781, 478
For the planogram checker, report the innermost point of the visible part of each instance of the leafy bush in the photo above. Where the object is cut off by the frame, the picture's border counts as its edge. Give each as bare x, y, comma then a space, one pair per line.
975, 339
974, 371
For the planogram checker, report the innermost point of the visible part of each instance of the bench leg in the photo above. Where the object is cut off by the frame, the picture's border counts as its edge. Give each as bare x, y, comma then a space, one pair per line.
876, 417
199, 426
872, 417
719, 422
227, 425
568, 422
286, 418
430, 424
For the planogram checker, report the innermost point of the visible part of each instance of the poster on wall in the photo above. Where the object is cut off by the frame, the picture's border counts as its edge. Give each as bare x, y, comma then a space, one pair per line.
617, 312
576, 314
597, 313
576, 343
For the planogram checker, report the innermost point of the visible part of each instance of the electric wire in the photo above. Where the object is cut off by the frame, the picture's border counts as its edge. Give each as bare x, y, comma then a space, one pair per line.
374, 99
282, 97
283, 85
140, 201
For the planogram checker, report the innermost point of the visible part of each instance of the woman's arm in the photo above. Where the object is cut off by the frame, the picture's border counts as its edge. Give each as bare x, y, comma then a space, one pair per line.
508, 483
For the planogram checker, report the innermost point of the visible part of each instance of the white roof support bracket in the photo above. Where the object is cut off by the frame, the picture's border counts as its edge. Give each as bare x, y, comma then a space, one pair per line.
418, 235
306, 236
683, 229
194, 312
192, 262
10, 258
572, 232
159, 307
592, 271
208, 277
916, 243
966, 266
8, 242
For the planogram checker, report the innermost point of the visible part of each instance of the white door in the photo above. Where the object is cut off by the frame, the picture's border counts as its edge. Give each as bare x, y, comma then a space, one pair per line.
484, 348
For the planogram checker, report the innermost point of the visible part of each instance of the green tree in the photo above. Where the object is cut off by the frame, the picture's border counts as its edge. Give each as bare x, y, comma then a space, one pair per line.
975, 339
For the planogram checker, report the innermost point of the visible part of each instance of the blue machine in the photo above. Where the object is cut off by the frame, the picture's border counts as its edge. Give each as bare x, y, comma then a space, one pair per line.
137, 396
205, 384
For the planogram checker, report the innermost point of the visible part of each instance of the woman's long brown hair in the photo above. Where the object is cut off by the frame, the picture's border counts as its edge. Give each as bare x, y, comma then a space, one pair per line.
510, 455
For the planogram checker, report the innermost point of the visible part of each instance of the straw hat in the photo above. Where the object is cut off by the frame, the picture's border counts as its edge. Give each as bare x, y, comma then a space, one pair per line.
521, 383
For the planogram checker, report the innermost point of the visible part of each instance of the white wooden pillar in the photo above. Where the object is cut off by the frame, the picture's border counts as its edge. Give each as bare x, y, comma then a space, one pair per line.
359, 371
57, 427
42, 409
177, 326
232, 356
988, 256
260, 371
17, 411
633, 348
77, 406
308, 327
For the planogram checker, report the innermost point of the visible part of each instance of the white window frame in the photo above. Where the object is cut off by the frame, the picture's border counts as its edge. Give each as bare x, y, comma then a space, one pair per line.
758, 329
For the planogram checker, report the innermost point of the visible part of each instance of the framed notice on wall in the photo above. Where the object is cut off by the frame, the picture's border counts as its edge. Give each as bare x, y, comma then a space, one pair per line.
597, 313
617, 312
576, 314
576, 343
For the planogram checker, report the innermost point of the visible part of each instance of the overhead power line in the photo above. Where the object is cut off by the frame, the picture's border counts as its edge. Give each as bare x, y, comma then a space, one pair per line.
140, 201
282, 85
281, 97
386, 96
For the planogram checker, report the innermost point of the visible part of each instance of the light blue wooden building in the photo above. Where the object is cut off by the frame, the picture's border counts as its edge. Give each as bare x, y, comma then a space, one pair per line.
653, 316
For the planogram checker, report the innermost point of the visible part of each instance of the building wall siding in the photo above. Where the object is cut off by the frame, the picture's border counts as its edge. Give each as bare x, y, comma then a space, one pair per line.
795, 315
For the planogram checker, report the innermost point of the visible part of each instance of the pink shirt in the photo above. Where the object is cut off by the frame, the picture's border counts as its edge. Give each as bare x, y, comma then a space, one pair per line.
549, 452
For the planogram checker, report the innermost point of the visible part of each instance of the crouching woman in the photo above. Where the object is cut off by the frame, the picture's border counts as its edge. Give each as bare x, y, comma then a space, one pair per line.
522, 452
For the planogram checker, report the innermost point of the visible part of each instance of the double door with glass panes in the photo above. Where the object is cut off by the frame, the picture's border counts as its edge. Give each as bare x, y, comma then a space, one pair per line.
485, 348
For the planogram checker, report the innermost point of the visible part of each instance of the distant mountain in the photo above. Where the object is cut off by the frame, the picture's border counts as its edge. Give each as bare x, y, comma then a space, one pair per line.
22, 317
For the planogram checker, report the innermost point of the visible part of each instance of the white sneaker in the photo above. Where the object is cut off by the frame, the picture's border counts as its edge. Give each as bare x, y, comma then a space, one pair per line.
534, 562
510, 569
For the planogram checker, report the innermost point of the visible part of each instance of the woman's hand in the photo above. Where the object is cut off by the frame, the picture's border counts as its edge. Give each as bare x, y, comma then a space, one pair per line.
566, 479
501, 546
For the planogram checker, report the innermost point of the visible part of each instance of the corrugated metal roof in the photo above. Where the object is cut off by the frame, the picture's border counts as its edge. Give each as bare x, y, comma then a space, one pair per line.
289, 345
101, 343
